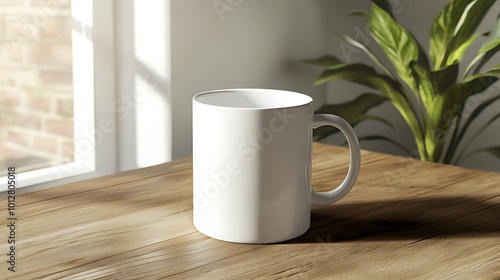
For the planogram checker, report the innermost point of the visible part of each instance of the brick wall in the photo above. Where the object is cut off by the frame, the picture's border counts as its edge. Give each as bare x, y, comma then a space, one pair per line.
36, 102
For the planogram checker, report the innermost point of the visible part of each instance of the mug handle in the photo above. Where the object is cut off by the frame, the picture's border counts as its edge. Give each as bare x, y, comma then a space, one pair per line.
329, 197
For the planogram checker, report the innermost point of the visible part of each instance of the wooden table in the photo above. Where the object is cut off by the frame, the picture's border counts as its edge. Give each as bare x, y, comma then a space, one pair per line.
404, 219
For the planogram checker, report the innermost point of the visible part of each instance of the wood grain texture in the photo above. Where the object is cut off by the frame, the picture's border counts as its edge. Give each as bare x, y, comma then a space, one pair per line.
404, 219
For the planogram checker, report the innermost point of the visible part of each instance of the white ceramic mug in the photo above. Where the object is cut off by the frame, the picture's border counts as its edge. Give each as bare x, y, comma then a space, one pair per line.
252, 164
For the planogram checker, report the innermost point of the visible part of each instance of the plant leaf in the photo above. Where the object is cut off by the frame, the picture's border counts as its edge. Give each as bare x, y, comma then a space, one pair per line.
360, 13
488, 123
423, 59
493, 72
493, 39
384, 5
489, 48
364, 48
328, 61
432, 82
353, 120
450, 152
475, 84
495, 151
359, 118
397, 43
456, 55
466, 27
352, 111
431, 85
485, 57
360, 104
358, 73
456, 22
365, 75
442, 29
439, 120
474, 115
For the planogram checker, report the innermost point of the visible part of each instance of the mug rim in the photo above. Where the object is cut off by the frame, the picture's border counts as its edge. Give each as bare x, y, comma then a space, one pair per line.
308, 101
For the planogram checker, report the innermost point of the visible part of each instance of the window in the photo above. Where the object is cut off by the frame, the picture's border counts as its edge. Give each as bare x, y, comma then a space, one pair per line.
49, 58
36, 85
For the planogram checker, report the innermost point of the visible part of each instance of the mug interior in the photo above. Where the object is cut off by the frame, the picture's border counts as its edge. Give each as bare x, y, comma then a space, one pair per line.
253, 98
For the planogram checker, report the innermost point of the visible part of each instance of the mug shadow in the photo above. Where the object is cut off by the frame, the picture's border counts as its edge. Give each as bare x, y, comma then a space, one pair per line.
411, 219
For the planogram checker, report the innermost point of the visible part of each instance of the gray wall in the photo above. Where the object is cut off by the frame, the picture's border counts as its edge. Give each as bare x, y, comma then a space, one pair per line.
257, 44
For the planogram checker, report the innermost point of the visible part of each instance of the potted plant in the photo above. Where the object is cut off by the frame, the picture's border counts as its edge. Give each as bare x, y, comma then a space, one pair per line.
427, 90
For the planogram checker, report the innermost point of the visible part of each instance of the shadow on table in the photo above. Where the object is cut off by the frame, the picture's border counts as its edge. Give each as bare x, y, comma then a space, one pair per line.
411, 219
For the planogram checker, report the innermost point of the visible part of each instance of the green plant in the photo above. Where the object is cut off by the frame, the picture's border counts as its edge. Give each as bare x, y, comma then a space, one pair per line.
429, 94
